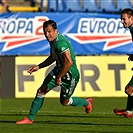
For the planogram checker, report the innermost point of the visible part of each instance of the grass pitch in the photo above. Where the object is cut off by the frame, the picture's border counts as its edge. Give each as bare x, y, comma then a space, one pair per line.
54, 118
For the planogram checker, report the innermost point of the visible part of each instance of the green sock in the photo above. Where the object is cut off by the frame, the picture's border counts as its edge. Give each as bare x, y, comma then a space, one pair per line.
129, 103
36, 105
78, 102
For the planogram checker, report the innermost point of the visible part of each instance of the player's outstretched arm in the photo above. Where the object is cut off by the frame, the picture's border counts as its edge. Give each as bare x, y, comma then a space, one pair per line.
47, 62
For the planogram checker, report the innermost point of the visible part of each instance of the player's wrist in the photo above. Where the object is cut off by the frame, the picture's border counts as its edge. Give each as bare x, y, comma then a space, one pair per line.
39, 66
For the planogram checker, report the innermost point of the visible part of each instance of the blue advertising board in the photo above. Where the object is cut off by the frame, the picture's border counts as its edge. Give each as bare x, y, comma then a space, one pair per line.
90, 33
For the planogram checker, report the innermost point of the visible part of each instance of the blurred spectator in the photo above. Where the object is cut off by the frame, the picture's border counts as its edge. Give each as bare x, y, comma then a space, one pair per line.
33, 3
5, 7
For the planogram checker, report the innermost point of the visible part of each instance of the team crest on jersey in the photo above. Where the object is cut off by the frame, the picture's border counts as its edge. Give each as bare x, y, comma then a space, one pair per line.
63, 48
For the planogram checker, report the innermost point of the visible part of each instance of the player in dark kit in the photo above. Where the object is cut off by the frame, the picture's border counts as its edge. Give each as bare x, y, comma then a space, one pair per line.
65, 74
127, 21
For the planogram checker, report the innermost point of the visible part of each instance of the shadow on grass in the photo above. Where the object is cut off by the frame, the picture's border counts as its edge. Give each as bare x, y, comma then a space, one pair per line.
90, 131
74, 123
57, 122
62, 115
84, 123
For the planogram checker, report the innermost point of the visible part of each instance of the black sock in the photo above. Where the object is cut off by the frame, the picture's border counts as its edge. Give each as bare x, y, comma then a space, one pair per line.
129, 103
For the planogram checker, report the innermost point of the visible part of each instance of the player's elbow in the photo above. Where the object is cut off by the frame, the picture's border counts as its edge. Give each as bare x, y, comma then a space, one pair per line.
70, 63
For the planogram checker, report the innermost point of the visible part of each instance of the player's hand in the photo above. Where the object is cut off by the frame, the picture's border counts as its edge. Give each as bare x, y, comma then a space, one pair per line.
130, 58
58, 81
33, 69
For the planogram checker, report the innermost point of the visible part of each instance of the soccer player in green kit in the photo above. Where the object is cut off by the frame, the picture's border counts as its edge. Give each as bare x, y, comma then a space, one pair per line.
65, 74
127, 21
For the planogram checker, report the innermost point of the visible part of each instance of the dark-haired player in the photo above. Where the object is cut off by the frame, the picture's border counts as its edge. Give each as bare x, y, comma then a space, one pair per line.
65, 74
127, 21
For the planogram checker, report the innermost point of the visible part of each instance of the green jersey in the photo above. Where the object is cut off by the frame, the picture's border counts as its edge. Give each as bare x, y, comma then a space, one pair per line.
71, 78
60, 45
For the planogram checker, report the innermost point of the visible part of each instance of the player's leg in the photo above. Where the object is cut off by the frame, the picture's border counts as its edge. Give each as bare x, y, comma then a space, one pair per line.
38, 100
48, 84
129, 108
35, 106
129, 92
67, 89
129, 88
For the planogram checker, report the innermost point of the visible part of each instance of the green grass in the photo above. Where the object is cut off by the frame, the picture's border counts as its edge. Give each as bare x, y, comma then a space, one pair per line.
54, 118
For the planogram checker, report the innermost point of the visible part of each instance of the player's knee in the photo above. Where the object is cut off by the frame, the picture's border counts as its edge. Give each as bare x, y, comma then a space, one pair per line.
126, 89
129, 90
43, 90
63, 103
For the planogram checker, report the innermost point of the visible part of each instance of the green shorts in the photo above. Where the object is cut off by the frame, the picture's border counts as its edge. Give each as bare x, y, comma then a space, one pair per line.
69, 82
131, 81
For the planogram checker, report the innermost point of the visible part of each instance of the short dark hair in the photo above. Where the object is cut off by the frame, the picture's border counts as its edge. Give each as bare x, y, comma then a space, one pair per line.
50, 22
128, 11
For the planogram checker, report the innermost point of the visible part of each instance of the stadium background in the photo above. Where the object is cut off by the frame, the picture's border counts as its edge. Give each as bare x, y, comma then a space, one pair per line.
99, 41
